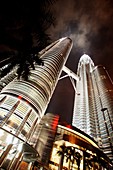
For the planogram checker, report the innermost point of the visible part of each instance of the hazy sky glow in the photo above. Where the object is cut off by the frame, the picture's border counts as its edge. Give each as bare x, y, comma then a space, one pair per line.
90, 25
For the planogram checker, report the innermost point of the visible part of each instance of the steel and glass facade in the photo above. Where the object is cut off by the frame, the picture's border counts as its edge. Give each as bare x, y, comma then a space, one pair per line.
93, 107
8, 78
23, 104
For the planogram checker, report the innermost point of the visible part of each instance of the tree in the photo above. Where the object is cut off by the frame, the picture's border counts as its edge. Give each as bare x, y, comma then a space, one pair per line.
91, 161
61, 153
86, 160
98, 162
23, 33
78, 157
71, 156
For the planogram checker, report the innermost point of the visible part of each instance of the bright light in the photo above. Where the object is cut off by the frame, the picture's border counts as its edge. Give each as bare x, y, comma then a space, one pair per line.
86, 59
15, 141
20, 146
1, 132
9, 139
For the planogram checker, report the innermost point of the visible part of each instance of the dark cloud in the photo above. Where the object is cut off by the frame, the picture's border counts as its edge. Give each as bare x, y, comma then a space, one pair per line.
89, 24
80, 19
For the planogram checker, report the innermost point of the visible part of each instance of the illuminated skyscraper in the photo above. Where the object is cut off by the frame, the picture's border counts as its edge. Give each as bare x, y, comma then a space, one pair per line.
93, 105
23, 104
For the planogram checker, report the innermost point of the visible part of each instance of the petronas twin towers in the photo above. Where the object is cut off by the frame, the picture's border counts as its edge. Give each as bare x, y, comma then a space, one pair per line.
93, 105
23, 104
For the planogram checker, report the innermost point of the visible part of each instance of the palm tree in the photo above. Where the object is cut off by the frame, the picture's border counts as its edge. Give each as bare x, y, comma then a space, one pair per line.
69, 154
23, 33
98, 162
91, 161
86, 160
78, 157
61, 153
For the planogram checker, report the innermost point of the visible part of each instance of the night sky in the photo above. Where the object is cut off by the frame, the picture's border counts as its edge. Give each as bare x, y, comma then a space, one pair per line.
90, 25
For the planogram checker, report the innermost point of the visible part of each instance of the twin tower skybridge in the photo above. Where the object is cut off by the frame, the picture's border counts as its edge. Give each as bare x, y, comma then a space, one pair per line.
73, 77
